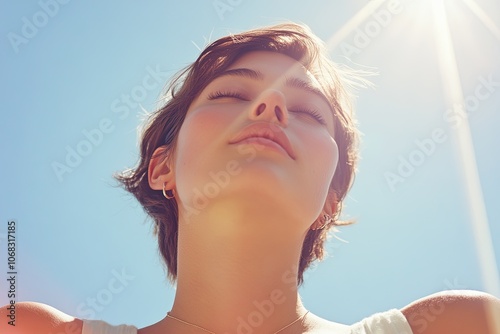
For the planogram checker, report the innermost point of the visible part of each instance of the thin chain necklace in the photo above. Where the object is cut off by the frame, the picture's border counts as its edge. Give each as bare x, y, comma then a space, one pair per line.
206, 330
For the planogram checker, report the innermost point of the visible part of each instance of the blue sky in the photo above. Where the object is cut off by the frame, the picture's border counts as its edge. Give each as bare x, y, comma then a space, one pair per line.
68, 68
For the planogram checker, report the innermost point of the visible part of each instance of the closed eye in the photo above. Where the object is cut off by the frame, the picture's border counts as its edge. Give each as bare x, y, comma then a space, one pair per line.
226, 94
309, 112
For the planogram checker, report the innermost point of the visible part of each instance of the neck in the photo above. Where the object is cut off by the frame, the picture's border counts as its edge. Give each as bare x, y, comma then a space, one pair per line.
238, 274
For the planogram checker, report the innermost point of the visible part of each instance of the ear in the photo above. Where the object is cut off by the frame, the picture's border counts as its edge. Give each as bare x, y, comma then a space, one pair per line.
330, 208
160, 171
331, 203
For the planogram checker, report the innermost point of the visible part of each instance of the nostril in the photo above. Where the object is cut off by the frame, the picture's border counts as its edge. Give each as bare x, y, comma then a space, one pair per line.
279, 113
261, 108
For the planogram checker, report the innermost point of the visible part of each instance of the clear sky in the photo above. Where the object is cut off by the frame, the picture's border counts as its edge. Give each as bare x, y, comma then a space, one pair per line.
68, 125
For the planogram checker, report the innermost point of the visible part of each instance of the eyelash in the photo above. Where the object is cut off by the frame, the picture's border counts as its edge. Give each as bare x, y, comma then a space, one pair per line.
314, 114
221, 94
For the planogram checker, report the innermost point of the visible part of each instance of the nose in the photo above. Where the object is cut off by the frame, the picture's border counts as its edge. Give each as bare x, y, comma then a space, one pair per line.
270, 107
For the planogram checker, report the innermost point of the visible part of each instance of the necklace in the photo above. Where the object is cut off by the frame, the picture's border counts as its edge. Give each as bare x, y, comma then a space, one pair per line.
206, 330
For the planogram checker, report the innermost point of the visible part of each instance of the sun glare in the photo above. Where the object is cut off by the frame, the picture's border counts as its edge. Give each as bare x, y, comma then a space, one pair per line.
453, 95
353, 23
483, 17
465, 149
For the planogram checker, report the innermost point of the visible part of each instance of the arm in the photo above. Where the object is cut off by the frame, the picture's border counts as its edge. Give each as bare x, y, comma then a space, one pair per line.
37, 318
458, 312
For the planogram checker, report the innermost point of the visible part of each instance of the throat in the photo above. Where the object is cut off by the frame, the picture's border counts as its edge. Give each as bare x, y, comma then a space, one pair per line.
229, 282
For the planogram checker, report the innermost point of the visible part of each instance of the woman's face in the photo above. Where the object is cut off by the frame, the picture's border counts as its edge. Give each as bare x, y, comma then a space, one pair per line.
260, 135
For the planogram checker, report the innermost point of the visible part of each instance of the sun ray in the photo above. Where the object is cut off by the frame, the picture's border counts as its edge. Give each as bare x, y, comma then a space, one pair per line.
477, 210
353, 23
483, 17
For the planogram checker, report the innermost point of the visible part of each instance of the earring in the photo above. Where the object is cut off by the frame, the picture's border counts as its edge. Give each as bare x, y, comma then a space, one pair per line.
325, 220
165, 192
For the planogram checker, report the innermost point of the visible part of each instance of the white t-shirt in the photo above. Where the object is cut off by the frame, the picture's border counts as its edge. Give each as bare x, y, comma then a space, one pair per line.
389, 322
101, 327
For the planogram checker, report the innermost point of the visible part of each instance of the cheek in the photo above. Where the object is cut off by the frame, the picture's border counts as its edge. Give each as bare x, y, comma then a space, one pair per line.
194, 129
328, 158
319, 159
203, 130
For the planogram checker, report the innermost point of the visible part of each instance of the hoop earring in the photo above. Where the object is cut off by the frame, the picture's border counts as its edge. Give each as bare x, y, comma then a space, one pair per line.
165, 192
325, 219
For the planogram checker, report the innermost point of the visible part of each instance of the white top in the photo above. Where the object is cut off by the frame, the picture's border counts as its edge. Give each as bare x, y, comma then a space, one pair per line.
389, 322
101, 327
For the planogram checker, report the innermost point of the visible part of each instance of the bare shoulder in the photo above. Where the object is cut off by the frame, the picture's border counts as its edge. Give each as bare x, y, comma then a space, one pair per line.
458, 312
32, 317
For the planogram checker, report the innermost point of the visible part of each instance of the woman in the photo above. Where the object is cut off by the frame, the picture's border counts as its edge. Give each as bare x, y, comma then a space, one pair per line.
244, 170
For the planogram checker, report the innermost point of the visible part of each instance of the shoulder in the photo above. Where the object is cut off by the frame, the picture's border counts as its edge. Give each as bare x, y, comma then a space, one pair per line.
32, 317
458, 312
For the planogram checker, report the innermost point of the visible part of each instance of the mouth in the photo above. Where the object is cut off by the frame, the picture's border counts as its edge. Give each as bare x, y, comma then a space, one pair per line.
266, 135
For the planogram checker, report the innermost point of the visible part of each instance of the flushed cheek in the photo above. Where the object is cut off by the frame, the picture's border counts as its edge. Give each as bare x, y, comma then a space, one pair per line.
201, 134
318, 158
202, 129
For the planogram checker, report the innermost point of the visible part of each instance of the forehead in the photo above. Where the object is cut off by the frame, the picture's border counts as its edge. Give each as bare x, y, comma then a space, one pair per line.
274, 65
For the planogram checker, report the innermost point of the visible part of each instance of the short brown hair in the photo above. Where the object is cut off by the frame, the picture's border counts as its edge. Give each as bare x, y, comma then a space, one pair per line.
162, 127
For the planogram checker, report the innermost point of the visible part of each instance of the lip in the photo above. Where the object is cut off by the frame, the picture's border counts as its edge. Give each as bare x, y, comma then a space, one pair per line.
270, 133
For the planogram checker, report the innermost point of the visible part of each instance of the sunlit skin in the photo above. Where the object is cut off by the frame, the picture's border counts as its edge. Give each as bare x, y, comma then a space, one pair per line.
239, 247
245, 242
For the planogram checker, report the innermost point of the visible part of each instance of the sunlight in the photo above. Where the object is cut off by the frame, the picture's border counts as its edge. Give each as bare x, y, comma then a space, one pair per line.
353, 23
483, 17
453, 95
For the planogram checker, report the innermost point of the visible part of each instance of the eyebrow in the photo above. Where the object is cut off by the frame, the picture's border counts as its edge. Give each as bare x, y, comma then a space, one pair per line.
307, 86
290, 82
243, 72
